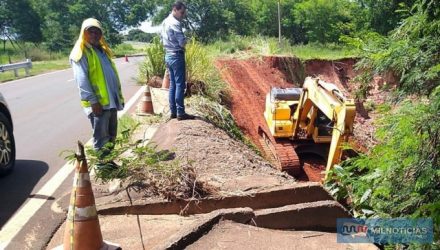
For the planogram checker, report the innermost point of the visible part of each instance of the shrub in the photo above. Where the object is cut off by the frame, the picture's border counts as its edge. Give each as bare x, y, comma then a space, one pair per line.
123, 49
144, 169
154, 64
411, 51
401, 175
202, 73
220, 117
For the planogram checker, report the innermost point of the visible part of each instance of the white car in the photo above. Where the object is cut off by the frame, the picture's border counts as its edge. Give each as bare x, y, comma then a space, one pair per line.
7, 142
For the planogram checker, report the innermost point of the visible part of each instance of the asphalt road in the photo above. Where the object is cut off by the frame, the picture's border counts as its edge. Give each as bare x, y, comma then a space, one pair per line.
48, 119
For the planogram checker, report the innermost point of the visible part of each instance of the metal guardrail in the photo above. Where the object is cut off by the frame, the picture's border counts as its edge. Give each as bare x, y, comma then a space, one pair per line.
15, 66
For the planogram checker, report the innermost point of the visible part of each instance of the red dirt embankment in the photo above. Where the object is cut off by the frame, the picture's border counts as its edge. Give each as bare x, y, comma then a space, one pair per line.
251, 79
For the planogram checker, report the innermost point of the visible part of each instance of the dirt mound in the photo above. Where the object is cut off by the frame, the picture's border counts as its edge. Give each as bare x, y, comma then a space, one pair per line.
218, 160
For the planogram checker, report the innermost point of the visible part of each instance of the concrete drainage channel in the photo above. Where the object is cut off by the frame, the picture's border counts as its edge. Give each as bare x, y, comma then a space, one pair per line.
298, 216
305, 208
317, 216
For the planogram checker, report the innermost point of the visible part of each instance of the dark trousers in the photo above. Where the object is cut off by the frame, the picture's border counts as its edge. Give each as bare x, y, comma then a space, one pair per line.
104, 127
176, 66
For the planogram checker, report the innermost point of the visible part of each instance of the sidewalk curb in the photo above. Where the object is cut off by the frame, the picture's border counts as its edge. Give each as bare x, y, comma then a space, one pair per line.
274, 197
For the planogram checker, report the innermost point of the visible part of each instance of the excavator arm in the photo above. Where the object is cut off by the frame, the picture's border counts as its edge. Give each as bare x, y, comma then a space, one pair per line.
325, 98
341, 131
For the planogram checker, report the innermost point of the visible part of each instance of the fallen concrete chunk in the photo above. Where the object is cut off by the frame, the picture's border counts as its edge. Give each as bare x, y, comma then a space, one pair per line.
231, 235
192, 233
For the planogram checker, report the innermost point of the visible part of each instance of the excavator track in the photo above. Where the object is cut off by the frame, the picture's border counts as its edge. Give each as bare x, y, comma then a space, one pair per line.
287, 156
282, 151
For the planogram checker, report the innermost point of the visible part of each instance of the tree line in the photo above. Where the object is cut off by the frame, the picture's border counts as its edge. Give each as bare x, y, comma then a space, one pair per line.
56, 23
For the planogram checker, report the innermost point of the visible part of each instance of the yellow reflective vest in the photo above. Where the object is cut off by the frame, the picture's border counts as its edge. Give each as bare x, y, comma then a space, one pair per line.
97, 79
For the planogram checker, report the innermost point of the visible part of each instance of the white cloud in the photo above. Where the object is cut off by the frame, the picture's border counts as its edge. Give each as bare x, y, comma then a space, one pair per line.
147, 27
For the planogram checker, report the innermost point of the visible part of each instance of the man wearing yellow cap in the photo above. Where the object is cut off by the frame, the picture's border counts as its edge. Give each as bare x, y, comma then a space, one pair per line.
98, 83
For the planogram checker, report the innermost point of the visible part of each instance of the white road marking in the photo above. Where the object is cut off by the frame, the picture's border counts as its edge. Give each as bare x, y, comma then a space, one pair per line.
32, 77
17, 222
131, 102
21, 217
70, 80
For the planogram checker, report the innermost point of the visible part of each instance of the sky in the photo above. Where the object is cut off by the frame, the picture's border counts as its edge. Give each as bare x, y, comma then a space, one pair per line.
146, 27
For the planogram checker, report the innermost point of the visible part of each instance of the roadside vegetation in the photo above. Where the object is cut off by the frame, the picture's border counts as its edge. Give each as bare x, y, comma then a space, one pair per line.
247, 46
400, 176
44, 60
142, 168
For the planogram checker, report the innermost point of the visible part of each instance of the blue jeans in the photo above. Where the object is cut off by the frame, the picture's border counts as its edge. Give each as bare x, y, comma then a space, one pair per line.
176, 67
105, 127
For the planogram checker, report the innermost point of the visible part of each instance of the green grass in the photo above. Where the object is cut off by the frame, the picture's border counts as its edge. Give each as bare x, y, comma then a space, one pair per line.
253, 46
154, 64
324, 52
237, 46
37, 68
129, 48
44, 61
137, 45
126, 123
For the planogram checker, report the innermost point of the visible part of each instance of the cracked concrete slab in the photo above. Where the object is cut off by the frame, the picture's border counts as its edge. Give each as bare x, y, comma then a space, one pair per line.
232, 235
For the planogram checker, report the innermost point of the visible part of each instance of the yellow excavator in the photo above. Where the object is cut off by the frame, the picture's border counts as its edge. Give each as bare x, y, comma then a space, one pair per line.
316, 119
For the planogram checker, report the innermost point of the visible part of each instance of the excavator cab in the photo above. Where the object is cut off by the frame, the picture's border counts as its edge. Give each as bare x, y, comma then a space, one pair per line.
318, 113
281, 105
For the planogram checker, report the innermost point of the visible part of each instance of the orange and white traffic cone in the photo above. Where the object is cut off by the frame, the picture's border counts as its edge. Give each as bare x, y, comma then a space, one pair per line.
145, 106
82, 224
166, 80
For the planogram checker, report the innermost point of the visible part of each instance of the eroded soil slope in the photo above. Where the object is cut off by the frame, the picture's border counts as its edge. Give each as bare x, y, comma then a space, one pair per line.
251, 79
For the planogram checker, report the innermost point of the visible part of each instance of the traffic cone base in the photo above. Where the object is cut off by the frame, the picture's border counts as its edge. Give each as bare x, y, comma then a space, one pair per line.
107, 245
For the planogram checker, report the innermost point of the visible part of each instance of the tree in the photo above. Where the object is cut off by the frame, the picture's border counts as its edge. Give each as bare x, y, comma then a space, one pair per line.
213, 19
411, 51
325, 21
19, 22
62, 19
384, 15
266, 15
139, 35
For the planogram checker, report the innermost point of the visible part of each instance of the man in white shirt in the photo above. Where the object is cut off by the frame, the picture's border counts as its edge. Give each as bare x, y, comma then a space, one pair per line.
174, 42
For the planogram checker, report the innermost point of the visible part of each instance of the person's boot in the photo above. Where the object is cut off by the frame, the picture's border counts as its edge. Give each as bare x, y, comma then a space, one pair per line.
185, 116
